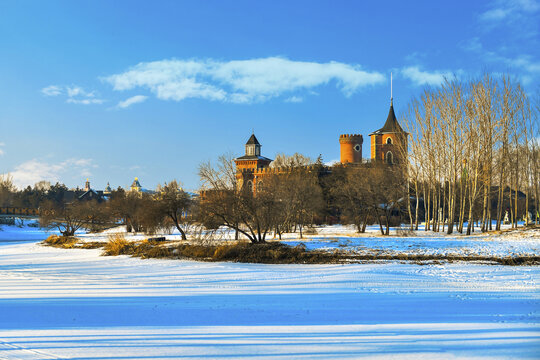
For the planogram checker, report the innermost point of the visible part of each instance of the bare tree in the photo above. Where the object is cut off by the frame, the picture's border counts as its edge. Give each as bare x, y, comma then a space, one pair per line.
291, 161
177, 205
67, 218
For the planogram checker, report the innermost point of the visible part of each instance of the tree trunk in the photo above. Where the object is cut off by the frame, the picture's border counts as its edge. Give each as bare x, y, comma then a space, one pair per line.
417, 205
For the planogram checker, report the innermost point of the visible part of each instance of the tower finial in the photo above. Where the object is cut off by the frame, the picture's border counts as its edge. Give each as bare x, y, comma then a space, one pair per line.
391, 94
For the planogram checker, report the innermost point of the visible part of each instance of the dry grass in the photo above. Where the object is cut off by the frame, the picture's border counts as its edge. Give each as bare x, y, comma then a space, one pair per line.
266, 253
91, 244
117, 245
65, 242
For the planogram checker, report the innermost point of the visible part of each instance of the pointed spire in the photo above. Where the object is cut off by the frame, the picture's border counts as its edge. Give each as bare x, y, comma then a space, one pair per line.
391, 91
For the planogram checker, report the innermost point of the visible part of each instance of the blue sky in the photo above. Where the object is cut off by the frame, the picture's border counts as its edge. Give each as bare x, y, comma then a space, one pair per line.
112, 90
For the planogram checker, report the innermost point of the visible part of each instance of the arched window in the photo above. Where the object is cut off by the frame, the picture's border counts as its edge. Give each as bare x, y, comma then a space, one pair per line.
259, 185
389, 158
249, 185
389, 140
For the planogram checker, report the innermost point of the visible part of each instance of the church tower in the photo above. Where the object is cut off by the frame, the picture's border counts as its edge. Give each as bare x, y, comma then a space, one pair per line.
250, 166
389, 143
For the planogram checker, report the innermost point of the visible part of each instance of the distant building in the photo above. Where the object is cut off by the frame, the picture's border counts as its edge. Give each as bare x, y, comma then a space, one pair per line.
86, 194
136, 185
252, 167
137, 188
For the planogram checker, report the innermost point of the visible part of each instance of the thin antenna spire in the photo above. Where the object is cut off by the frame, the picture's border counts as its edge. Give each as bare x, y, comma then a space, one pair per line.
391, 94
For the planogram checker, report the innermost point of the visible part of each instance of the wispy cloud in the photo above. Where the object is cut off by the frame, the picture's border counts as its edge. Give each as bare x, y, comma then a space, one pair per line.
240, 81
74, 94
132, 100
85, 101
420, 77
2, 150
294, 99
526, 66
51, 90
35, 170
509, 10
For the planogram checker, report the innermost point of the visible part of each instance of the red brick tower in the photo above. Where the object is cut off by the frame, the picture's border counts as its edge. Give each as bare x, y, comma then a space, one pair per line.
351, 148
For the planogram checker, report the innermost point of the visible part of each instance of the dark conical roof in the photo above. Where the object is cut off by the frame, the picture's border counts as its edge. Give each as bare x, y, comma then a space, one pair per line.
253, 140
391, 125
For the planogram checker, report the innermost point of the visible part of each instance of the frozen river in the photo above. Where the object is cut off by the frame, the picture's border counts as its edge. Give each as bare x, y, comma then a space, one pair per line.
76, 304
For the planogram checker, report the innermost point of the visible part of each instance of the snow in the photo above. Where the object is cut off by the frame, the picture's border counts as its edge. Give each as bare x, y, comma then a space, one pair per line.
75, 304
427, 243
416, 242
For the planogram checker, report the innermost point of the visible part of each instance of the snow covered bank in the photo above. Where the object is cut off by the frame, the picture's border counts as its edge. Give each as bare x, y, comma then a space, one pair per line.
59, 303
511, 246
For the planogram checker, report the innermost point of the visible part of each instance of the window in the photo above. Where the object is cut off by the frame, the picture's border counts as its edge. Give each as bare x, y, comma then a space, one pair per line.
357, 147
249, 185
389, 158
389, 140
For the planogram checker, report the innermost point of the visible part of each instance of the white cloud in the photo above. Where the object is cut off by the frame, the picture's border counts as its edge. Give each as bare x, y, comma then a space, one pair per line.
2, 150
74, 94
51, 90
472, 44
495, 14
33, 171
294, 99
132, 100
74, 91
419, 77
240, 81
509, 10
525, 62
85, 101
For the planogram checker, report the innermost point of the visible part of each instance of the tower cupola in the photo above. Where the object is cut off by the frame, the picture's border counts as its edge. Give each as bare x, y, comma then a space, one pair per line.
253, 147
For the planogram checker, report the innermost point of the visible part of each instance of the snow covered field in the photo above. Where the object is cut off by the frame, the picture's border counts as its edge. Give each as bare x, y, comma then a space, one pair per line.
425, 243
75, 304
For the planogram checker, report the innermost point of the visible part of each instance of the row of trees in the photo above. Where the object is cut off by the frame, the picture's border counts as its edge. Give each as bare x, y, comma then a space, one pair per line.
300, 195
29, 197
473, 151
140, 212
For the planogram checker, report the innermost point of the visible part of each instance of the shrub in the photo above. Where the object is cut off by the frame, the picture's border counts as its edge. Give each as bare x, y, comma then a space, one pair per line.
404, 231
118, 245
65, 242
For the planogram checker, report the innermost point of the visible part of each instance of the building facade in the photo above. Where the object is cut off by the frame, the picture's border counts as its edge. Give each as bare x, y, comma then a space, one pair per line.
388, 145
252, 167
